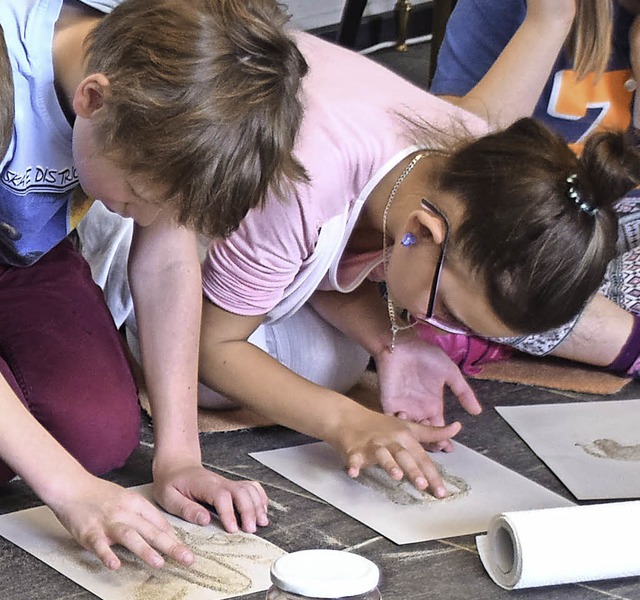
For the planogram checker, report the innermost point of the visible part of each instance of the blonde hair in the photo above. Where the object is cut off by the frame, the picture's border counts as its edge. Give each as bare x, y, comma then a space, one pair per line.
203, 100
7, 102
589, 41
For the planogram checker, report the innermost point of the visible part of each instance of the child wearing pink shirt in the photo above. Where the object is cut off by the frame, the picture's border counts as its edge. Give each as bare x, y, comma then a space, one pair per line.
500, 234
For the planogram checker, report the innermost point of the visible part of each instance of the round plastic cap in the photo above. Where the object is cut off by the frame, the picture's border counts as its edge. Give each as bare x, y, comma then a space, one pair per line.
325, 573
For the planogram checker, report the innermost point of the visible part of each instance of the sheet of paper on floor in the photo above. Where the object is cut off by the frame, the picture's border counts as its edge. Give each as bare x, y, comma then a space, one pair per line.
480, 488
592, 447
227, 565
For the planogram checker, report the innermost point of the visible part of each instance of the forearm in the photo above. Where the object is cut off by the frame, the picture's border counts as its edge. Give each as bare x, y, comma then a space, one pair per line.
166, 287
599, 334
512, 86
30, 450
245, 373
634, 50
241, 371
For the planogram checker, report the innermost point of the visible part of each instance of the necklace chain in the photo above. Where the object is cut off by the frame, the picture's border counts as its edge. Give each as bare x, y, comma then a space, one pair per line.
395, 327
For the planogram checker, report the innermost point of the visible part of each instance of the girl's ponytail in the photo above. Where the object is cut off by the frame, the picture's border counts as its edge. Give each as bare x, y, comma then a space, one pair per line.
539, 223
611, 166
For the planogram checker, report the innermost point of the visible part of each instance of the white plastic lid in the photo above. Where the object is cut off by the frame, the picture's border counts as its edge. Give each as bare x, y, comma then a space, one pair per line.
324, 573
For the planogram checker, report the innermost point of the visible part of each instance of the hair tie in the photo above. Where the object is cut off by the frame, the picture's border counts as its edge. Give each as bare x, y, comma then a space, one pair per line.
576, 197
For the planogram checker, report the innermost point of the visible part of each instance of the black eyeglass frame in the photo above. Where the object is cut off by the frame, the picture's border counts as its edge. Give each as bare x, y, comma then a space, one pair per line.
429, 317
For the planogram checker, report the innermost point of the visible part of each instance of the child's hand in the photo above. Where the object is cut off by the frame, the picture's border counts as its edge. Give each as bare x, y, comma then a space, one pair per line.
183, 490
412, 380
372, 438
100, 514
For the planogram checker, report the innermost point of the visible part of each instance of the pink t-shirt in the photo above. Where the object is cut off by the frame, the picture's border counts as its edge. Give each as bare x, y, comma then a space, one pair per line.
351, 136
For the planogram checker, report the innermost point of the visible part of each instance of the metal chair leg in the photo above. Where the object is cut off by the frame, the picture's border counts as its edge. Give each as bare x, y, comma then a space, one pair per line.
350, 22
402, 10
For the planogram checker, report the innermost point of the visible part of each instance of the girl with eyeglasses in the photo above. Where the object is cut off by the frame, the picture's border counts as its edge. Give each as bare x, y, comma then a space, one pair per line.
572, 64
501, 234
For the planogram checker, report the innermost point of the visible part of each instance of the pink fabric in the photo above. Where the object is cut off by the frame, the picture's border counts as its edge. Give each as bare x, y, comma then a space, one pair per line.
469, 352
350, 133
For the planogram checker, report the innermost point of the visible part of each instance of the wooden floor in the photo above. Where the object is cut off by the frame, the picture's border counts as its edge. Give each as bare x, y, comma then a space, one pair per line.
444, 570
447, 569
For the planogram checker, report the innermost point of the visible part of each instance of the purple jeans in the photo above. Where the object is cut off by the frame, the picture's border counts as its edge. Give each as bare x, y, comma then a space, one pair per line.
62, 355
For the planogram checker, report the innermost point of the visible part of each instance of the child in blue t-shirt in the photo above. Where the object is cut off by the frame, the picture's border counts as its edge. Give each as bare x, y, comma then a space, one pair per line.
149, 108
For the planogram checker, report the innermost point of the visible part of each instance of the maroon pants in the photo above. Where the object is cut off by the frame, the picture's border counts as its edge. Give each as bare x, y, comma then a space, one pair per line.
64, 358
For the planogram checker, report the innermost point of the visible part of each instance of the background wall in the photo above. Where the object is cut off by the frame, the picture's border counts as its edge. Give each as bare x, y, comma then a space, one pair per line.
312, 14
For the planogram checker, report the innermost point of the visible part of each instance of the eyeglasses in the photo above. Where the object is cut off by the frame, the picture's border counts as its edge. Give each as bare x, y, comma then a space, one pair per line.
450, 325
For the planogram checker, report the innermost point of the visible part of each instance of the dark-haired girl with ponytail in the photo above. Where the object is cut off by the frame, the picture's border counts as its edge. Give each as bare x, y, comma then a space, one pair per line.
574, 66
475, 233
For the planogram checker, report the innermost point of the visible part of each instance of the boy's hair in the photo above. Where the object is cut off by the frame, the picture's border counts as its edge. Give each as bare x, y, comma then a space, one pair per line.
7, 102
203, 100
539, 225
589, 42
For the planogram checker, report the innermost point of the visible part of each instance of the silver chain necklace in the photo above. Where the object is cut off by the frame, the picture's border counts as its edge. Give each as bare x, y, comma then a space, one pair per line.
395, 327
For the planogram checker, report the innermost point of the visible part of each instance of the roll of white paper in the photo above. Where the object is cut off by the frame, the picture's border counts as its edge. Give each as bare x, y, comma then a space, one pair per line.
562, 545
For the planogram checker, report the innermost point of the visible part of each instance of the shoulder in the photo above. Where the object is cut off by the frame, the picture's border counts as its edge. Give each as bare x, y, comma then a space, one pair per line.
351, 99
248, 272
28, 24
342, 72
481, 18
622, 22
476, 34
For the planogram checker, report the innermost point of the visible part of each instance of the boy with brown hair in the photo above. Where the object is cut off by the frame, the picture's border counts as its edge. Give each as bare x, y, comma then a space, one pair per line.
165, 111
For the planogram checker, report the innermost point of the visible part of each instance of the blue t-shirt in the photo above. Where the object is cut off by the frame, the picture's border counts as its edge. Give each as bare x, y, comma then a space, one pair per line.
478, 31
40, 199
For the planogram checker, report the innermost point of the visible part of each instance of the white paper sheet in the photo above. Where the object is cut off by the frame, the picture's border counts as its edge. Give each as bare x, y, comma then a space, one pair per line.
592, 447
562, 545
227, 565
480, 489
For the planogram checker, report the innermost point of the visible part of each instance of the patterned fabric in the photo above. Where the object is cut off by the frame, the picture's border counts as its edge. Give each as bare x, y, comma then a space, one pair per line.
540, 344
621, 283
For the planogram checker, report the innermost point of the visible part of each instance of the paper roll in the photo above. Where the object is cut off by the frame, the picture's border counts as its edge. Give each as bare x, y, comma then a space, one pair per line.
562, 545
